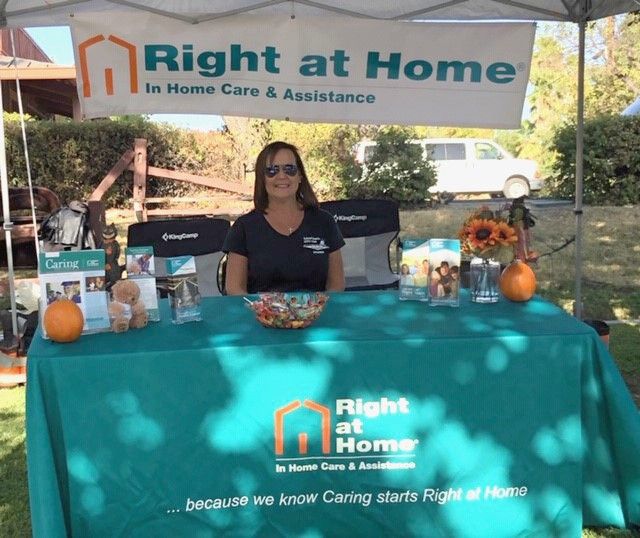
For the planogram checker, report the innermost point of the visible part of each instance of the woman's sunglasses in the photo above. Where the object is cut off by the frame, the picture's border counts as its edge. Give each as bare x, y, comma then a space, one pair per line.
289, 169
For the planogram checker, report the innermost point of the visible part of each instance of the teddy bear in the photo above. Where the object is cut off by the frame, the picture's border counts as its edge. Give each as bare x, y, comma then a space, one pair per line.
126, 309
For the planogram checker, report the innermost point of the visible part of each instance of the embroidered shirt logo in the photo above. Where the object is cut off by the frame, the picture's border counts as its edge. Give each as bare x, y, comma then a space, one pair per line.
316, 244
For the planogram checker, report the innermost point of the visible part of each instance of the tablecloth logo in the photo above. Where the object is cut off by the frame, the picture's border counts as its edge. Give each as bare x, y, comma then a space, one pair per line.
125, 46
323, 443
303, 437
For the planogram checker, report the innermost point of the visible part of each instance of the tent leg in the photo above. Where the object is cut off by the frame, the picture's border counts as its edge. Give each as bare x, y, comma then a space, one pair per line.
7, 225
578, 307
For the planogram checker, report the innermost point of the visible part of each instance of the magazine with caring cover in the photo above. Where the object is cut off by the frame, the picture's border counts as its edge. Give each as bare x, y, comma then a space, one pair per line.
141, 268
184, 295
77, 275
414, 270
444, 279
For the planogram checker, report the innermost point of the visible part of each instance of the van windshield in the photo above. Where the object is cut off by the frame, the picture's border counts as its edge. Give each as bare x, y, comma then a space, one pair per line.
485, 151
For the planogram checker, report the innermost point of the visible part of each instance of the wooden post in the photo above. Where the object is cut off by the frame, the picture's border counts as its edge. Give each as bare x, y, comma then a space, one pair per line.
97, 216
97, 220
140, 179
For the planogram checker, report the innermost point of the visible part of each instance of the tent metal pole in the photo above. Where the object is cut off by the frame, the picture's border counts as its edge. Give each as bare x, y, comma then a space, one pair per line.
7, 224
578, 307
26, 151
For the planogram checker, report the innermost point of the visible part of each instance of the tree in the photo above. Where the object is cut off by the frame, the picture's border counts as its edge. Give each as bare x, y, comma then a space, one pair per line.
396, 170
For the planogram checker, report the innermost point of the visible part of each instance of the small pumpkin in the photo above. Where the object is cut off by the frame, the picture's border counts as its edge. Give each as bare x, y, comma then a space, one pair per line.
518, 281
63, 321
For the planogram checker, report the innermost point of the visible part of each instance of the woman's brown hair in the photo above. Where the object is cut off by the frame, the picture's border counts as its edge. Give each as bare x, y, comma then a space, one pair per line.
304, 195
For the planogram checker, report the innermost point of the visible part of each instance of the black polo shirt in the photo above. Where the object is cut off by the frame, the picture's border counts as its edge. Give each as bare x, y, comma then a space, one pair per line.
276, 262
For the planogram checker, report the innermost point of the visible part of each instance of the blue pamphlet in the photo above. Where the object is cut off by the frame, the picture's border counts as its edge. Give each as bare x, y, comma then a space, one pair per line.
444, 276
184, 295
414, 270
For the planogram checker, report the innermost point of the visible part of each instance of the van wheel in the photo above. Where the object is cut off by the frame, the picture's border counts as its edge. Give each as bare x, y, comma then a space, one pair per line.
516, 187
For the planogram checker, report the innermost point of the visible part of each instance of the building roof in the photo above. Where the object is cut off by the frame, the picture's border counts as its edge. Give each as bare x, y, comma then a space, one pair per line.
47, 89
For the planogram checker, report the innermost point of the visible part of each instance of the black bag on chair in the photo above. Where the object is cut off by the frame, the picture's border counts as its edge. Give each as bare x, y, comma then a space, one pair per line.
67, 228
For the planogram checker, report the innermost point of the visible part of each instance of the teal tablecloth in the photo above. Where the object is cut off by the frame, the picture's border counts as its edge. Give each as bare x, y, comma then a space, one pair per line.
485, 420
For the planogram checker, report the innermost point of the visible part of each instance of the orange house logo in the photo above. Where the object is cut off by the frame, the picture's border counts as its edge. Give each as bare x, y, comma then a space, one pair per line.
108, 72
303, 437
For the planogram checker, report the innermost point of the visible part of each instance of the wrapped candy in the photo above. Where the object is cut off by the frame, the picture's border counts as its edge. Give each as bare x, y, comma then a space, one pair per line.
288, 311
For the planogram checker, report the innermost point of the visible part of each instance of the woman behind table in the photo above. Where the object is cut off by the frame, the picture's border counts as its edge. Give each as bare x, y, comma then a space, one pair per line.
286, 243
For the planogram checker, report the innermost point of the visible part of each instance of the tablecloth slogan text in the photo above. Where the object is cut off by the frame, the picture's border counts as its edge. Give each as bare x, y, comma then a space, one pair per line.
362, 498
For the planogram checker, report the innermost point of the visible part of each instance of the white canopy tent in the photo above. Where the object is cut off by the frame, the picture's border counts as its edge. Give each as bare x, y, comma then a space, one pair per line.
633, 109
29, 13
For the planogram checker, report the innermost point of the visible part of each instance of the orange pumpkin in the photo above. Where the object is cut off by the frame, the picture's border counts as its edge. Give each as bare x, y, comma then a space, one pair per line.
63, 321
518, 281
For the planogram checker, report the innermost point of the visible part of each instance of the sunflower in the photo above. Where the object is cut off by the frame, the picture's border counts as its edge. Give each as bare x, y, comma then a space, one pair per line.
504, 234
480, 234
487, 234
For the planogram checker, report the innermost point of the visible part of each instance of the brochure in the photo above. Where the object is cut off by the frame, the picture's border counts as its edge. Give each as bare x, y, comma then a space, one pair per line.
184, 295
77, 275
141, 268
444, 279
414, 270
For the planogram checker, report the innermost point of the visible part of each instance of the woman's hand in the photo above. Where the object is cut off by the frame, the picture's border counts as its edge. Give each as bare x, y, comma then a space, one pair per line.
236, 275
335, 276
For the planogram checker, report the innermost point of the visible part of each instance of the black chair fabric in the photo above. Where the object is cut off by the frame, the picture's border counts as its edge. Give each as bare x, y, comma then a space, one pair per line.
200, 237
368, 227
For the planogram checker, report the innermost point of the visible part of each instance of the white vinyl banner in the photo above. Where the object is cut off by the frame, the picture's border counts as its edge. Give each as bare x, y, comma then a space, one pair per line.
342, 70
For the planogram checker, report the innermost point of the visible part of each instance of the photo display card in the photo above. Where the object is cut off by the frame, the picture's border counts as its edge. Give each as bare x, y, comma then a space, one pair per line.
184, 295
444, 277
77, 275
414, 270
141, 268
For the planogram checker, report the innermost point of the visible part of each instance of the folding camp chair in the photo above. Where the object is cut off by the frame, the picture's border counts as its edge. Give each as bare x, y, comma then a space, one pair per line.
368, 227
201, 237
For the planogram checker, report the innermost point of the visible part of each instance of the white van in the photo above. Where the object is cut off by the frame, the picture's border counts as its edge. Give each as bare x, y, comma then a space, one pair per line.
472, 165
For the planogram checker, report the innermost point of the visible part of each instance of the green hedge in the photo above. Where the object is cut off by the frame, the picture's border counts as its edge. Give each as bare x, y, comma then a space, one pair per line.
72, 158
611, 161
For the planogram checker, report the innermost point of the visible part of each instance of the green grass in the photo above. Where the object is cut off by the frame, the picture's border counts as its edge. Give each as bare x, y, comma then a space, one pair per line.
14, 507
14, 504
625, 347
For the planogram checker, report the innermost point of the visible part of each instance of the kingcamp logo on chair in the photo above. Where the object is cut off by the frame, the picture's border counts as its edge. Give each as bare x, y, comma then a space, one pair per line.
128, 48
303, 437
349, 218
178, 237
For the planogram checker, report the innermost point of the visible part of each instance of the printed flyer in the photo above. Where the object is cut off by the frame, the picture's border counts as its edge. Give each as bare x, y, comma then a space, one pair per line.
77, 275
414, 270
140, 263
184, 295
444, 279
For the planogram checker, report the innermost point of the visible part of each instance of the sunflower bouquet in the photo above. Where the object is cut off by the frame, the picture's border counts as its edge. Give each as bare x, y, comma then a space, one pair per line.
486, 234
